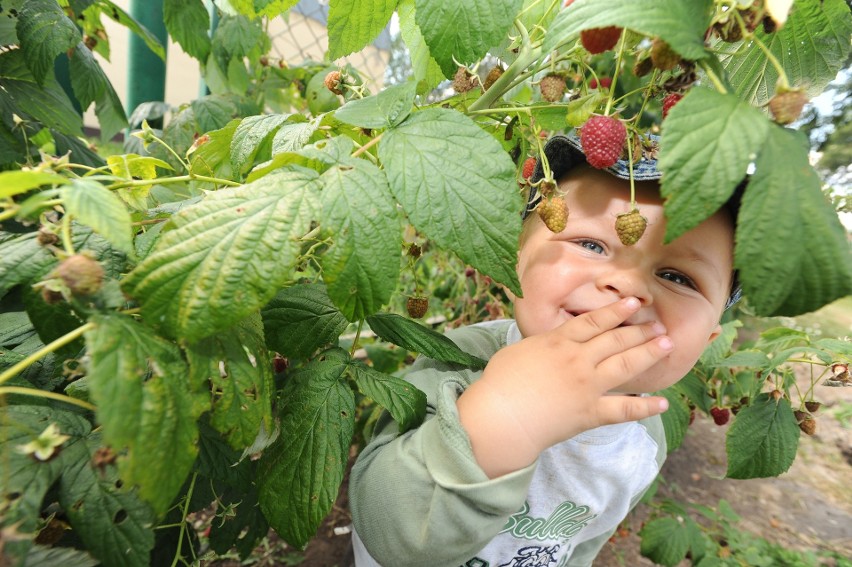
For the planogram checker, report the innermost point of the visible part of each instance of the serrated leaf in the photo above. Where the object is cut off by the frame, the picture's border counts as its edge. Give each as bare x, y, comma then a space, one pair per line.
226, 256
811, 48
113, 524
213, 157
250, 135
43, 555
352, 24
426, 70
665, 541
119, 15
361, 268
236, 365
294, 136
786, 226
87, 78
384, 110
681, 24
707, 143
579, 110
463, 30
15, 327
132, 167
762, 440
744, 358
95, 206
694, 387
272, 8
139, 383
675, 419
300, 319
45, 102
21, 259
213, 112
299, 476
189, 23
19, 182
236, 36
26, 476
458, 188
414, 336
44, 32
721, 346
406, 404
77, 150
110, 113
838, 346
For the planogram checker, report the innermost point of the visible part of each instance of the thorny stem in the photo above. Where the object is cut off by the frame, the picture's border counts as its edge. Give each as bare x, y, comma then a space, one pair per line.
4, 390
67, 244
178, 179
712, 76
185, 512
10, 372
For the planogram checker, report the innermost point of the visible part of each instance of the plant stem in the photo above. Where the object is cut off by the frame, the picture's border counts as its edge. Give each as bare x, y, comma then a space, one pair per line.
618, 59
9, 213
712, 76
168, 180
354, 346
4, 390
782, 74
10, 372
368, 145
67, 243
187, 498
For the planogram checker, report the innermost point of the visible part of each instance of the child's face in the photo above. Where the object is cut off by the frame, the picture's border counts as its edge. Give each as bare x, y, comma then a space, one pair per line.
683, 285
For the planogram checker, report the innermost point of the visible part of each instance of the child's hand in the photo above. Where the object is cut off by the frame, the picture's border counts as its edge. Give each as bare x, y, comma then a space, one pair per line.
552, 386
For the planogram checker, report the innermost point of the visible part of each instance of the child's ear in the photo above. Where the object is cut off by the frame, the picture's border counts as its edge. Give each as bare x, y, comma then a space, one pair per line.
716, 332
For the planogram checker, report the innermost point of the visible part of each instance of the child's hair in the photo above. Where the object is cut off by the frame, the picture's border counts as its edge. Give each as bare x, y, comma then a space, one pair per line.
564, 153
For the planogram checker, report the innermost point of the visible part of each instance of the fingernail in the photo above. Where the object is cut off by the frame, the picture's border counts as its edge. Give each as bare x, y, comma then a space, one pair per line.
664, 405
631, 303
666, 343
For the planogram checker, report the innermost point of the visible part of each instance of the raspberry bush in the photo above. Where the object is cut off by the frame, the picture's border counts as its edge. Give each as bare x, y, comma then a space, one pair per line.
239, 259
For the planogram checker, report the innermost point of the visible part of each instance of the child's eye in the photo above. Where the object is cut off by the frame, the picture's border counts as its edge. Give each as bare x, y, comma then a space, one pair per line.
678, 278
591, 245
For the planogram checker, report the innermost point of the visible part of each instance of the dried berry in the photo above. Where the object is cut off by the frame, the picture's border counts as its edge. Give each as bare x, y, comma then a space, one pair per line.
813, 406
82, 274
417, 306
464, 80
663, 56
495, 73
786, 105
332, 82
808, 425
414, 250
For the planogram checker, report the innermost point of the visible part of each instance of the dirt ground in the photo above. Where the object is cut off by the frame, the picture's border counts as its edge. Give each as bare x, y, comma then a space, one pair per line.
807, 508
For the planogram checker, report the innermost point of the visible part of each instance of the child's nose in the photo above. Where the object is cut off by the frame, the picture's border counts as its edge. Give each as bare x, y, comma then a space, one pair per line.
627, 283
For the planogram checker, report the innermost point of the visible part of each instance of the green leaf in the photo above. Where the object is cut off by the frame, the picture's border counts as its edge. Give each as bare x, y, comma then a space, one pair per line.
664, 541
361, 268
458, 188
694, 387
139, 383
406, 404
384, 110
42, 555
253, 133
78, 150
237, 366
17, 182
352, 24
744, 358
113, 524
213, 157
786, 226
135, 167
189, 23
215, 111
93, 205
675, 419
226, 256
110, 113
119, 15
237, 36
426, 70
272, 8
26, 479
763, 439
21, 259
87, 78
708, 141
300, 474
44, 31
463, 30
681, 24
414, 336
300, 319
293, 136
45, 102
811, 48
721, 346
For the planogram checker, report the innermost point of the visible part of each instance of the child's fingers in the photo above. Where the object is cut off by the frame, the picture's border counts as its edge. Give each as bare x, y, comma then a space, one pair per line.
620, 340
591, 324
621, 409
623, 366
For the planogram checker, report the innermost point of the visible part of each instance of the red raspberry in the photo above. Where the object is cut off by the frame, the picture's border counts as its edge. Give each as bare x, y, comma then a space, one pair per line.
605, 83
602, 138
528, 168
670, 100
721, 416
598, 40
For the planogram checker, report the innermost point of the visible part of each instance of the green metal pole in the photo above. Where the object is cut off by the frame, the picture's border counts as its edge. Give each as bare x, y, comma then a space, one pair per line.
146, 73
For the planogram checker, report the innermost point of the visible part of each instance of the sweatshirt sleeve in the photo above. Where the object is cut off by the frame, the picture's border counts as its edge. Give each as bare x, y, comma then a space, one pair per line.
420, 498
